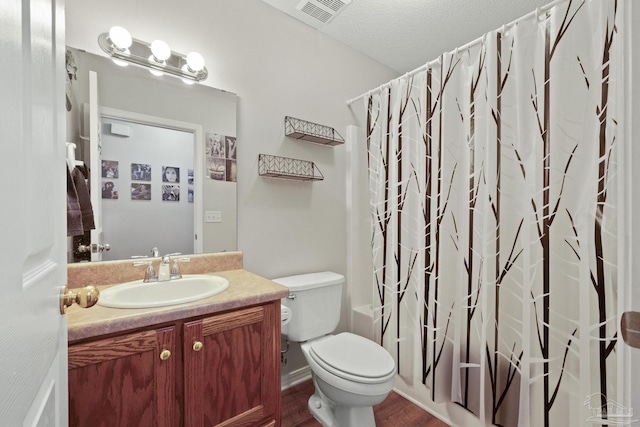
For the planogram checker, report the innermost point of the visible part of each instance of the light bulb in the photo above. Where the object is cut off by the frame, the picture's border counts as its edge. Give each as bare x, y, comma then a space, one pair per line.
120, 62
120, 37
187, 70
195, 61
160, 50
154, 60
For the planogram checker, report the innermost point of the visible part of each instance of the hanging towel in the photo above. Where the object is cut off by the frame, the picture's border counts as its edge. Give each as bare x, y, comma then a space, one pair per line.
74, 213
84, 199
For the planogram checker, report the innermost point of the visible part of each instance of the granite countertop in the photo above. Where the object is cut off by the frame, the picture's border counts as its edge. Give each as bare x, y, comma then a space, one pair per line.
244, 289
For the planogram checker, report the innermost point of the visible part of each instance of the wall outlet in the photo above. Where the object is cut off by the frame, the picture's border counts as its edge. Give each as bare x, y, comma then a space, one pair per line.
213, 216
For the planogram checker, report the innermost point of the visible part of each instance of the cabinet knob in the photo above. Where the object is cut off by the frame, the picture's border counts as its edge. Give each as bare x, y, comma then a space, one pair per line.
85, 297
165, 355
197, 346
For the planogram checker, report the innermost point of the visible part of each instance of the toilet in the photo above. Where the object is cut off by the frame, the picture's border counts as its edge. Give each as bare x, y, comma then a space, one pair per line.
350, 373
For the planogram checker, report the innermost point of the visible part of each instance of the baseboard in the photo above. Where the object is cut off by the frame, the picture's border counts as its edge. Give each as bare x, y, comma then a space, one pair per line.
295, 377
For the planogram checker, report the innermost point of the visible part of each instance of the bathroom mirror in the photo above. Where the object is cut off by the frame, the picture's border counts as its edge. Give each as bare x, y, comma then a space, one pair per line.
146, 210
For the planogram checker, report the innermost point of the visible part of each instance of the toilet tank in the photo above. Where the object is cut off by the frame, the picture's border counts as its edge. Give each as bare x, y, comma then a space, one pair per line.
314, 300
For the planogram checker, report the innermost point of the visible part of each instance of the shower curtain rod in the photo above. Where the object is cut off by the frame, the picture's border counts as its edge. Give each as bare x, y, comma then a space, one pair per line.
467, 46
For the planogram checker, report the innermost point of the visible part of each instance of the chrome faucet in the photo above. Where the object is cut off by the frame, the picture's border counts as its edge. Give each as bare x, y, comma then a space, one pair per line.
175, 269
149, 273
166, 271
169, 270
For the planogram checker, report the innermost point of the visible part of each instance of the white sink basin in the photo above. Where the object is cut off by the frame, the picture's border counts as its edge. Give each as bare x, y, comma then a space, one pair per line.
137, 294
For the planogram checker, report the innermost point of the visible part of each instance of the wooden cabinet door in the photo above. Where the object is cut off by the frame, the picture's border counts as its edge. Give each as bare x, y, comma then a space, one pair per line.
122, 381
234, 378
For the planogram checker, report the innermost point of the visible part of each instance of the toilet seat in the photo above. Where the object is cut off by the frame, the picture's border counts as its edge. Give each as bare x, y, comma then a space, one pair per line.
353, 358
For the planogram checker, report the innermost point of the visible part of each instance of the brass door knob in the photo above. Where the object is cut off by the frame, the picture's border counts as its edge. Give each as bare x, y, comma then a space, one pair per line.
85, 297
165, 355
197, 346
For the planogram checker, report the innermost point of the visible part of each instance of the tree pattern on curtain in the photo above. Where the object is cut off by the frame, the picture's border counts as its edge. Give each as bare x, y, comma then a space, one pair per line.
493, 202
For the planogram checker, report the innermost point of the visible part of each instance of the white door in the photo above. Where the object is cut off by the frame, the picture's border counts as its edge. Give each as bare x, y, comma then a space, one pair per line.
95, 165
33, 334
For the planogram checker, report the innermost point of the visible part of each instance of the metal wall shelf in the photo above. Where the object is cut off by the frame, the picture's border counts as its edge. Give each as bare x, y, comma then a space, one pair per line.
287, 168
312, 132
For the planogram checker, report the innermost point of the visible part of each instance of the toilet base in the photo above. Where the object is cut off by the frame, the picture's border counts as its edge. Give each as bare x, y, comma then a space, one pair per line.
330, 414
321, 411
361, 416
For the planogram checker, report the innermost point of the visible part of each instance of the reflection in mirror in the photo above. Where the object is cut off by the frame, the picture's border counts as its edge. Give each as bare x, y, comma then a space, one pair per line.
152, 194
191, 207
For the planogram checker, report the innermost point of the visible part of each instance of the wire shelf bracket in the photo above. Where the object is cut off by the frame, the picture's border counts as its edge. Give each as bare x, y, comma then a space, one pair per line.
312, 132
287, 168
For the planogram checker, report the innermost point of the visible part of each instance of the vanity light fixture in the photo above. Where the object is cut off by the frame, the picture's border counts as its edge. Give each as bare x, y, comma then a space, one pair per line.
156, 56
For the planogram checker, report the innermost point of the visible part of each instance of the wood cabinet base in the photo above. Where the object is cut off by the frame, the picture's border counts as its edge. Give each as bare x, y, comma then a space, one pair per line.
220, 370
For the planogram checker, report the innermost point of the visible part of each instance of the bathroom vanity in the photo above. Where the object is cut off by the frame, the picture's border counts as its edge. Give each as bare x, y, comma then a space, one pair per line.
210, 362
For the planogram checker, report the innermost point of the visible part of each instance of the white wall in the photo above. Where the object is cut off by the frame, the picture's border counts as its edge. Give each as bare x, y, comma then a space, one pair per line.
277, 66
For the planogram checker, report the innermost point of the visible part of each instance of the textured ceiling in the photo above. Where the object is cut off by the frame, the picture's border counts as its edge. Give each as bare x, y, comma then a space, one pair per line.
406, 34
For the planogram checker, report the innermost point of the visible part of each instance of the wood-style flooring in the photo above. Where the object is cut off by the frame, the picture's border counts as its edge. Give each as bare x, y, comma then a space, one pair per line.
394, 411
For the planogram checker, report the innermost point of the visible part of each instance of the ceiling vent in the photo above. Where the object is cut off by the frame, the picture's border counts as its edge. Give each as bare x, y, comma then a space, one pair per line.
322, 10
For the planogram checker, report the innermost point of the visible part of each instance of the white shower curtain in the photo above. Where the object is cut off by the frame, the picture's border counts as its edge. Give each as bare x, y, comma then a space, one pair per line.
493, 179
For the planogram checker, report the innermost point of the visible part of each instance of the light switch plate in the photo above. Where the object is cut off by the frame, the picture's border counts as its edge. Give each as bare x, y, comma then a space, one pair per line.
213, 216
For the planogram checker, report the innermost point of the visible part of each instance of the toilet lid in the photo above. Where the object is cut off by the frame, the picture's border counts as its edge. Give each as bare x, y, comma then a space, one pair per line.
353, 357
